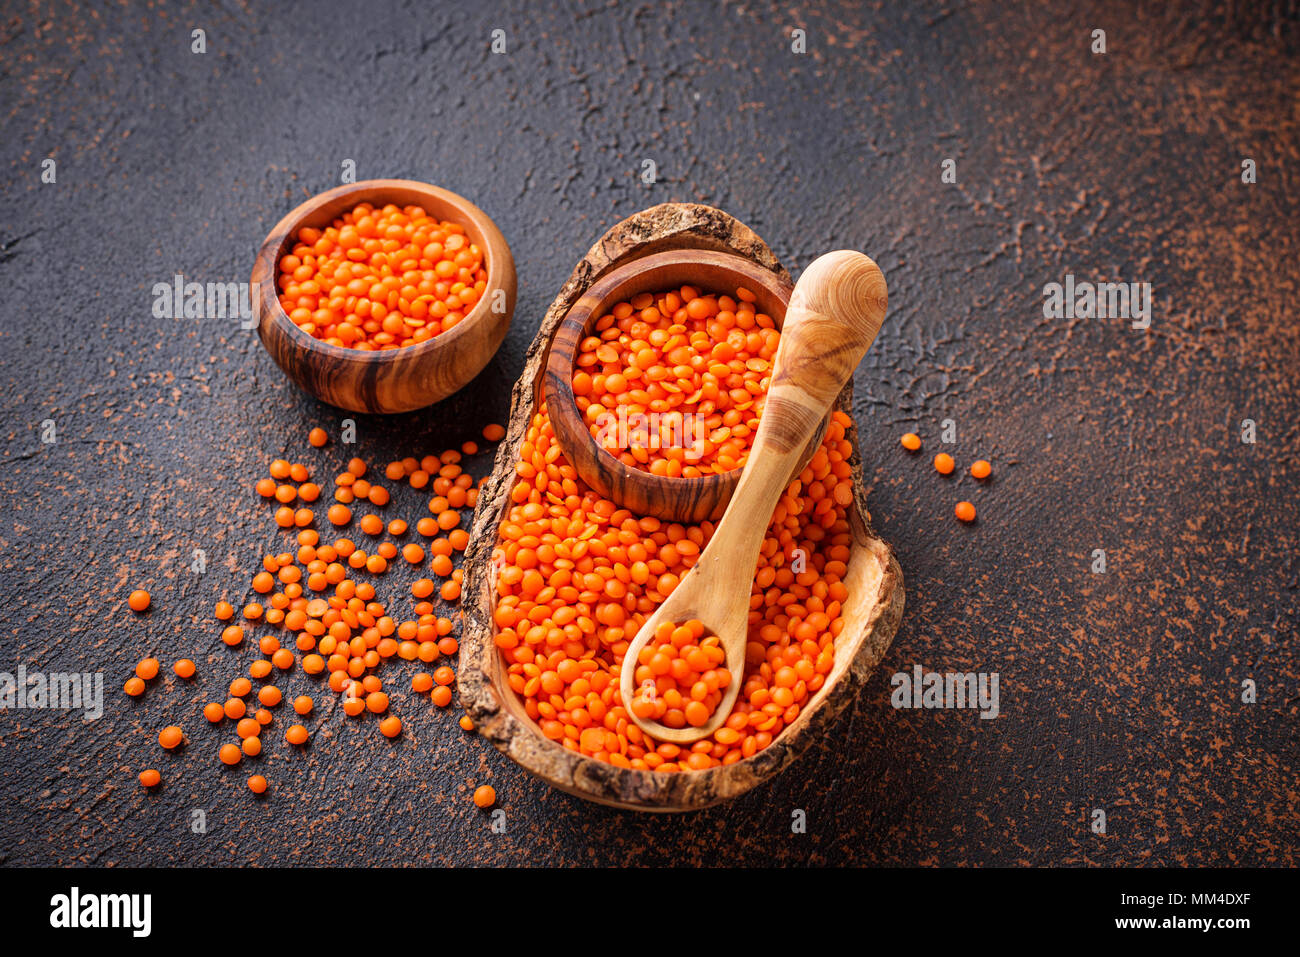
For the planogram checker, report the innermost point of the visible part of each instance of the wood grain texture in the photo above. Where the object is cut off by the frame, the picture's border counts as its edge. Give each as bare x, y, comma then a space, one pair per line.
393, 380
874, 580
834, 316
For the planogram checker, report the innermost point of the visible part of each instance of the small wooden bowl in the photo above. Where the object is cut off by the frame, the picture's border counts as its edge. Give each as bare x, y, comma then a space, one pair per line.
671, 499
393, 380
874, 580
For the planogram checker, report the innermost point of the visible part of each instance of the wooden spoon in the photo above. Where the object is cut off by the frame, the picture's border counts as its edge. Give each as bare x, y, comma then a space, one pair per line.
834, 315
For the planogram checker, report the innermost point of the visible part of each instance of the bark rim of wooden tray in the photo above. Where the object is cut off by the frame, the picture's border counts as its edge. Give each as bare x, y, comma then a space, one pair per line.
874, 578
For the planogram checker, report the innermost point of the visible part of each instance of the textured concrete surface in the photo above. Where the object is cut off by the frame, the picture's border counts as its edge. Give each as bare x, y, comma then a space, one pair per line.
1120, 691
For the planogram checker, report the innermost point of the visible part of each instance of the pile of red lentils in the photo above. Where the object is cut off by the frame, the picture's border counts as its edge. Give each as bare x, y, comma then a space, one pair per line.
689, 371
317, 606
381, 278
681, 675
579, 575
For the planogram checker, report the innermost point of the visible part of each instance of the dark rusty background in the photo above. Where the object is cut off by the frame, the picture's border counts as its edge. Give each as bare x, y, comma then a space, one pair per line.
1119, 691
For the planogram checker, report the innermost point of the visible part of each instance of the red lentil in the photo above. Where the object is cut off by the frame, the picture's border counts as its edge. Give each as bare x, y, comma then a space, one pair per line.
680, 675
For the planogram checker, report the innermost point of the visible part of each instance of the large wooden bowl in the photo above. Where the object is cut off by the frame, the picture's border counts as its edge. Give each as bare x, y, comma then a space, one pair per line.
874, 579
693, 499
393, 380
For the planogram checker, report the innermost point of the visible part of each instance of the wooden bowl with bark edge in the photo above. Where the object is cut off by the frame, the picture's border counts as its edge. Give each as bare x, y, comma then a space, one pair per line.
682, 499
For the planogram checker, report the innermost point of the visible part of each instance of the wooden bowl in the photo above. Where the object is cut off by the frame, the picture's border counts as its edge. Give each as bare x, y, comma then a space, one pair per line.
874, 579
393, 380
671, 499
